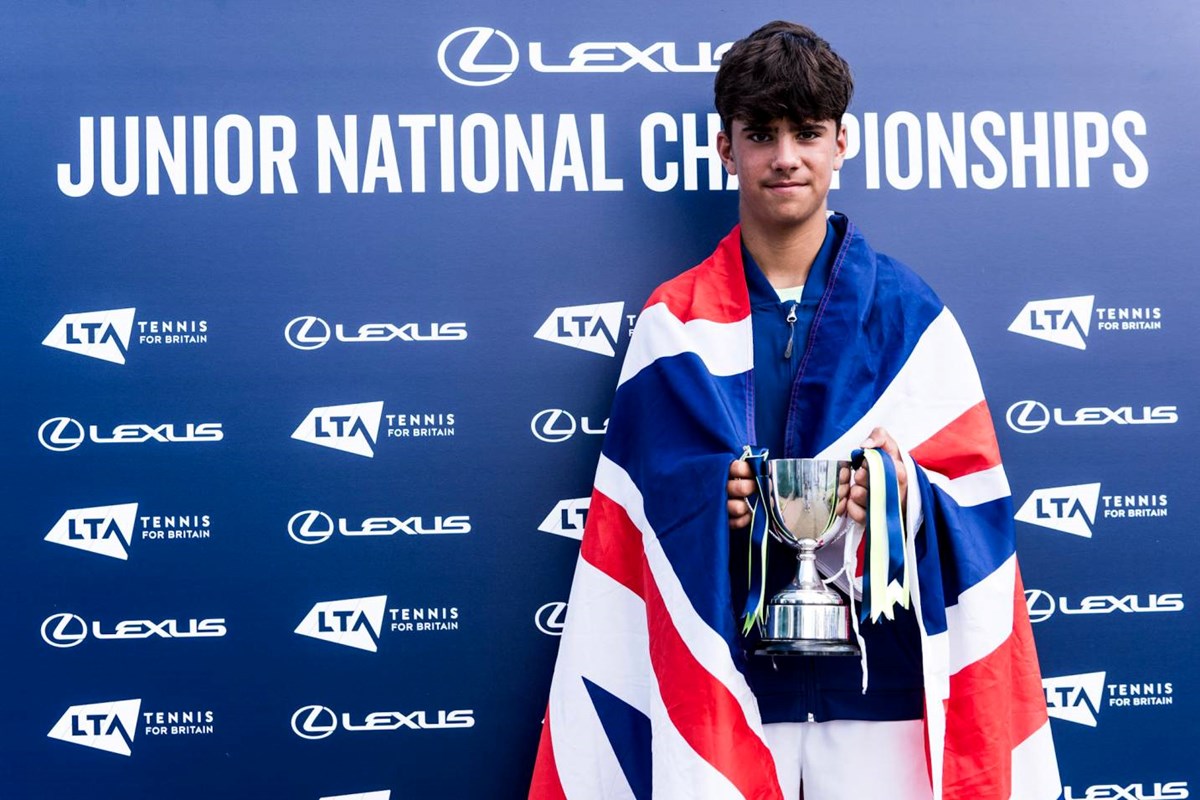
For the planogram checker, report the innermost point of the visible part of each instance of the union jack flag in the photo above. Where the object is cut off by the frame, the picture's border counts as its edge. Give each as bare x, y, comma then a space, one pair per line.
648, 697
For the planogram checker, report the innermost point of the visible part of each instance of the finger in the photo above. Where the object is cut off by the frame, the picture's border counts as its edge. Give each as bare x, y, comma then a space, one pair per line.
738, 508
740, 469
856, 513
840, 508
740, 487
843, 491
859, 495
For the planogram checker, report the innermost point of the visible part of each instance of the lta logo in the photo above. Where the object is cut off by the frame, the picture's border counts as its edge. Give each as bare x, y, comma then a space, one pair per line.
102, 726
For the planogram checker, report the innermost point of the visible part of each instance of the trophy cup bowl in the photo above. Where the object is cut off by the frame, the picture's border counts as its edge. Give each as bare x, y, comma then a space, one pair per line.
806, 618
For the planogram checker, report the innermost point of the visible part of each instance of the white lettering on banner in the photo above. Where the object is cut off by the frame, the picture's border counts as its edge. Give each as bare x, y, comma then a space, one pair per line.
318, 722
593, 328
1068, 320
67, 630
1069, 509
487, 152
106, 335
353, 623
61, 434
567, 518
1042, 604
481, 145
315, 527
1031, 416
103, 726
311, 333
1073, 509
351, 428
106, 530
1170, 790
109, 530
551, 618
555, 425
1074, 698
382, 794
1079, 698
1064, 321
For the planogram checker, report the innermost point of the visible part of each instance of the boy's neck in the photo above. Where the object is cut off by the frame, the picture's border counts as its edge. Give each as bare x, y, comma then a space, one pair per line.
785, 255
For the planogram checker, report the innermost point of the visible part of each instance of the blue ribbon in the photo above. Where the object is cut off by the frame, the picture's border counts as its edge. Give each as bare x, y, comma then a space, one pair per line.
756, 598
882, 593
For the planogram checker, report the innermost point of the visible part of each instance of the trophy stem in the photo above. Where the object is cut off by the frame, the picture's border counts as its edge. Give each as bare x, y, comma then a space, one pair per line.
807, 617
806, 567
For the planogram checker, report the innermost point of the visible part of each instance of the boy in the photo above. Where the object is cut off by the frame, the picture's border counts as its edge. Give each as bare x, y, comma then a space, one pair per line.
795, 336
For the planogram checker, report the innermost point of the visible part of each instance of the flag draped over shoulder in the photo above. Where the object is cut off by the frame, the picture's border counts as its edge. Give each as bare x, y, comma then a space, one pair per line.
648, 697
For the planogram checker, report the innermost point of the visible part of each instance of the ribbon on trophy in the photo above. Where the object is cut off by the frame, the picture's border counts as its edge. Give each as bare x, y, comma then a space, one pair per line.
886, 571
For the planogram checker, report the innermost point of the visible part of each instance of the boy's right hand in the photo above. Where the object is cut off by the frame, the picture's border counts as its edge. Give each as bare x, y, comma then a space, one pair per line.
740, 486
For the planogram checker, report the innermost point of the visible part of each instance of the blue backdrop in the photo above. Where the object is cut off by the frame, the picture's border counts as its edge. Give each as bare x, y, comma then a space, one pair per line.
313, 312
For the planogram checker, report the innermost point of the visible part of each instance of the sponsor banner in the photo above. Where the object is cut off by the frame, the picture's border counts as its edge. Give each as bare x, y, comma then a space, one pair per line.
316, 527
1067, 321
483, 56
1043, 605
545, 152
383, 794
313, 333
113, 726
360, 622
107, 335
567, 518
110, 530
1081, 698
555, 425
356, 427
594, 328
551, 618
65, 629
1032, 416
1073, 509
320, 722
1146, 790
61, 434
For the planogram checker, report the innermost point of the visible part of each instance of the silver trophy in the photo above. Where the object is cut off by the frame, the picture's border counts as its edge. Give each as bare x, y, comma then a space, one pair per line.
806, 618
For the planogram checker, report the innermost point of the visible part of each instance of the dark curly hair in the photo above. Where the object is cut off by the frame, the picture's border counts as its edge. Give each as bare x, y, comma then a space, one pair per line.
782, 71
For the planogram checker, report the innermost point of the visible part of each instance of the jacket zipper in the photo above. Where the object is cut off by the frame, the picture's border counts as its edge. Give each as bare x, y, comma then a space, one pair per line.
791, 321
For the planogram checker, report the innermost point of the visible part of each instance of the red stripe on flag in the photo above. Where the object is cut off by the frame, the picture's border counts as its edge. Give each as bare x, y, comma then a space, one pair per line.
546, 784
965, 446
613, 544
714, 290
995, 704
703, 709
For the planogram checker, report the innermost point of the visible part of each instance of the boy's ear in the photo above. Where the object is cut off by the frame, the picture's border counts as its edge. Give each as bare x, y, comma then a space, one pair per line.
840, 153
725, 151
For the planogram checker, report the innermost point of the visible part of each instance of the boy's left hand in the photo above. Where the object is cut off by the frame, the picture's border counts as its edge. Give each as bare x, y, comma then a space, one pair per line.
852, 500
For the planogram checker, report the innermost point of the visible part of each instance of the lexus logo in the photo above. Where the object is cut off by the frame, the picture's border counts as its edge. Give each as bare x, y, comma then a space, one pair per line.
314, 722
307, 333
1028, 416
61, 434
466, 69
551, 618
64, 630
310, 527
553, 425
1040, 604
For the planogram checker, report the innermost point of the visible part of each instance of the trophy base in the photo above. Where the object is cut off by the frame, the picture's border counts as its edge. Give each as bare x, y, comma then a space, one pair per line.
801, 647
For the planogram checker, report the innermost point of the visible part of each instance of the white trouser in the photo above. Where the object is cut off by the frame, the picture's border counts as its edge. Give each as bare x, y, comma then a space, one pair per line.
850, 759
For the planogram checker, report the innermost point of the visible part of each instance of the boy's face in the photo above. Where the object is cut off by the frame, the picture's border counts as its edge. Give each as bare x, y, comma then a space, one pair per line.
783, 169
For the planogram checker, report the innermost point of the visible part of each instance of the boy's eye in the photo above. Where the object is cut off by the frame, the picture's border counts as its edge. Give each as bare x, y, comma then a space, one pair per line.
758, 137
